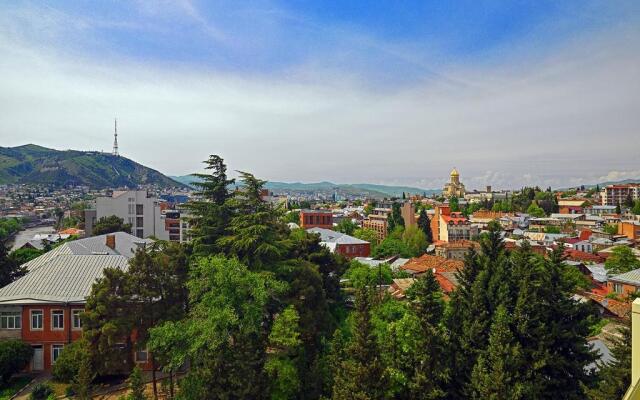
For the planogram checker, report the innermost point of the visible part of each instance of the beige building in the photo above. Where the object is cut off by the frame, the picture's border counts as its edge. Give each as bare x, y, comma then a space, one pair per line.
454, 187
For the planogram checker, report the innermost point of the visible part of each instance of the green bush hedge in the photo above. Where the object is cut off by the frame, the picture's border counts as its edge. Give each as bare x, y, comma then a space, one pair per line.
14, 357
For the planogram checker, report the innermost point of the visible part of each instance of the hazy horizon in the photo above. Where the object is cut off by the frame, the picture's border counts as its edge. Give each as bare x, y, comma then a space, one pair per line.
513, 94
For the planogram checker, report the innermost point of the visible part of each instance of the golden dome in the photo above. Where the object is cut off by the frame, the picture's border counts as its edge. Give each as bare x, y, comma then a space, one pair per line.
454, 172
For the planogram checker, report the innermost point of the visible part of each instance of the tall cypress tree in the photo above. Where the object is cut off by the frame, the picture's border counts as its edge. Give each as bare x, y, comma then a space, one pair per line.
209, 214
425, 225
430, 373
361, 375
496, 374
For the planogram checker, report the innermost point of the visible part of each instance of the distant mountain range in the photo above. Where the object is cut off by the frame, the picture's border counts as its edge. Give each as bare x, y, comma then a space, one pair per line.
32, 164
362, 189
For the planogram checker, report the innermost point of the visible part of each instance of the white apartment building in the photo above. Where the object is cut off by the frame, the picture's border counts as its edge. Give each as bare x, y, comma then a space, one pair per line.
143, 212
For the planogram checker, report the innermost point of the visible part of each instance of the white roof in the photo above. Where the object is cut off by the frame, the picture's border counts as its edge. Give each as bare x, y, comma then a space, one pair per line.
67, 273
333, 238
64, 279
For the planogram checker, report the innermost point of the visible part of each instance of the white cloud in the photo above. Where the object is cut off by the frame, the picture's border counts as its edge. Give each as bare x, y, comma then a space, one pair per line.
546, 121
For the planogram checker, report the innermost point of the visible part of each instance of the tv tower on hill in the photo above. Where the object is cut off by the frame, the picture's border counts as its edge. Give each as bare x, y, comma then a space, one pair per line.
115, 138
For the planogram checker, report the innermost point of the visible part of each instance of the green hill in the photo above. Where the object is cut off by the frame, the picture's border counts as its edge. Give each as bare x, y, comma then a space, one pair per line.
32, 164
364, 189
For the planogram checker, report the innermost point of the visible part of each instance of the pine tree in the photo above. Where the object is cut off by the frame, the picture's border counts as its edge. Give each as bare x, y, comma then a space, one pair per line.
361, 374
256, 234
618, 209
614, 378
209, 214
430, 373
425, 225
496, 374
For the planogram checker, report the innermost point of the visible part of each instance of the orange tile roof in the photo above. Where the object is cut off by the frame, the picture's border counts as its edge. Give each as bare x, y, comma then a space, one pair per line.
620, 308
71, 231
427, 262
583, 256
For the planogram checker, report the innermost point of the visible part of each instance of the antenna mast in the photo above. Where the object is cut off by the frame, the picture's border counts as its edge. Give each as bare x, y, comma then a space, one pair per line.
115, 138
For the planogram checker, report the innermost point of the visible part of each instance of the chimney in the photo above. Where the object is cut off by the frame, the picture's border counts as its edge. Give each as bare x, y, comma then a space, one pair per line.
111, 241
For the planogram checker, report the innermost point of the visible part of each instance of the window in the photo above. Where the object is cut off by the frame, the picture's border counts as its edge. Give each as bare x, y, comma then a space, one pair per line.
131, 208
139, 222
139, 209
57, 319
75, 319
10, 320
142, 356
36, 320
617, 287
56, 349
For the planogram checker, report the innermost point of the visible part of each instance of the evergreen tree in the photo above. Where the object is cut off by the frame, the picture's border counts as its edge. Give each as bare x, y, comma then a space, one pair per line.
256, 234
361, 374
628, 201
496, 374
618, 209
83, 380
10, 270
110, 224
209, 213
615, 377
430, 372
425, 225
395, 219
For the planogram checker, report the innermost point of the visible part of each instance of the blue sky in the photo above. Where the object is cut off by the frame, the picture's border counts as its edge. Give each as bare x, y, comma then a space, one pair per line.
512, 93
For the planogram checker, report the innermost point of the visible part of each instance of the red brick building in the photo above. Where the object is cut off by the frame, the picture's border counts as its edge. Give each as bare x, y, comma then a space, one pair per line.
316, 219
44, 307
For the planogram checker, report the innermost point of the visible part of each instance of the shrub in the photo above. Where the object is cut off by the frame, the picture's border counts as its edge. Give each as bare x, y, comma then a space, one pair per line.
41, 391
68, 363
14, 357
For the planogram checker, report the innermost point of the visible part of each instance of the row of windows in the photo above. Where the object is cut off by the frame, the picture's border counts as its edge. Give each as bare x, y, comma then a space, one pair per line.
317, 219
13, 320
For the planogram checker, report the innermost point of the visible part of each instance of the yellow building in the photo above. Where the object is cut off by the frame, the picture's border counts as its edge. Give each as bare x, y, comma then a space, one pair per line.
454, 187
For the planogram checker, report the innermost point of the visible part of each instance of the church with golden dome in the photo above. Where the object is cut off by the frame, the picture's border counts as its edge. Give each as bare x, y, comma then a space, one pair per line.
454, 187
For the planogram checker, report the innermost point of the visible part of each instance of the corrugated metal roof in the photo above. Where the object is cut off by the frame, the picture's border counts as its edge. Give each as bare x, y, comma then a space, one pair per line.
631, 277
64, 278
329, 236
125, 245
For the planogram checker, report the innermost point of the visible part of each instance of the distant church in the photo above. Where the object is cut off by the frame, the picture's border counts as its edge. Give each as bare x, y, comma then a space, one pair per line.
454, 187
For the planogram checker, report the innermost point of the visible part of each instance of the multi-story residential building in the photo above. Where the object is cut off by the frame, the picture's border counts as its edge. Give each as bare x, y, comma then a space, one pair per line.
448, 226
408, 212
600, 210
341, 243
147, 215
613, 195
316, 219
44, 307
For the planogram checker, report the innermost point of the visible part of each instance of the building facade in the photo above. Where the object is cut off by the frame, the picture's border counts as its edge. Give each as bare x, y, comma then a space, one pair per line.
340, 243
316, 219
613, 195
44, 307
